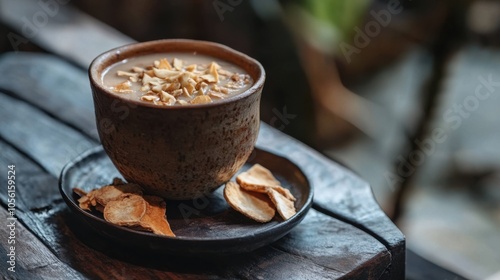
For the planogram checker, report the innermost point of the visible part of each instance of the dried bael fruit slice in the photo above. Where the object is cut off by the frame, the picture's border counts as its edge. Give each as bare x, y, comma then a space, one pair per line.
98, 198
285, 207
155, 218
86, 200
256, 206
111, 192
123, 204
79, 192
126, 210
259, 179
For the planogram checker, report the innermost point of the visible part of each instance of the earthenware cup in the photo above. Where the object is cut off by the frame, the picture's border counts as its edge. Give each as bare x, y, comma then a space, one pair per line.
177, 152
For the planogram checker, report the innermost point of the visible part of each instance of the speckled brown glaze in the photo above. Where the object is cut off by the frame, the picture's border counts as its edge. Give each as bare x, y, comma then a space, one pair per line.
178, 152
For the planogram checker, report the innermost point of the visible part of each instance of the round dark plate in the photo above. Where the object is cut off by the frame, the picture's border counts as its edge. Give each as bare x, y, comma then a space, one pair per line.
204, 226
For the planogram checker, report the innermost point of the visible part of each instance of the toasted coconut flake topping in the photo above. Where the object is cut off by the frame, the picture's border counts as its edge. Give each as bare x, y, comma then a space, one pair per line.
177, 83
124, 87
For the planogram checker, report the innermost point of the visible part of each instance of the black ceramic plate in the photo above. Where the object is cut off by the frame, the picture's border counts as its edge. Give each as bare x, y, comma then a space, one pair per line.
203, 226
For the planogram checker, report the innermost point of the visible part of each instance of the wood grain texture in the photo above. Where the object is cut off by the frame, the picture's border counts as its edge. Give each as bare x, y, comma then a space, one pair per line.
338, 192
66, 31
39, 190
339, 251
32, 259
50, 142
45, 82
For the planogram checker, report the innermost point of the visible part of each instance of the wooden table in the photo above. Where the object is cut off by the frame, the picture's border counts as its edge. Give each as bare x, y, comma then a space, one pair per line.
46, 118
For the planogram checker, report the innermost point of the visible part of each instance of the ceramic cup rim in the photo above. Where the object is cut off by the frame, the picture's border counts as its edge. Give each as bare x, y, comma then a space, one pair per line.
108, 58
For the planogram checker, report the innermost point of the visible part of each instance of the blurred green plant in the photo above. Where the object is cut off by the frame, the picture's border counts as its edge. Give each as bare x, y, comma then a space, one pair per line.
325, 23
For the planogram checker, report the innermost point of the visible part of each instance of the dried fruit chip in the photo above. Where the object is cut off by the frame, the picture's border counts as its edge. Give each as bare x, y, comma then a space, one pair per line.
99, 208
86, 200
155, 218
259, 178
79, 191
122, 204
85, 203
254, 205
126, 210
285, 207
98, 198
111, 192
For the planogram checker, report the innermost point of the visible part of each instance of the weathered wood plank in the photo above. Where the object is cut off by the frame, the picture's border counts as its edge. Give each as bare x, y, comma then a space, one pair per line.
301, 253
51, 143
37, 191
56, 231
319, 233
46, 82
32, 260
273, 262
265, 263
61, 29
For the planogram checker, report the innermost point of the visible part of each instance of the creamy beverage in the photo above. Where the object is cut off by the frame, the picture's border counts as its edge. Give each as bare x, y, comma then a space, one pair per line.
169, 79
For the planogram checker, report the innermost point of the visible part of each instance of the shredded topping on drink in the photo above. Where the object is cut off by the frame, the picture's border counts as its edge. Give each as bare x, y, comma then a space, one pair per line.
178, 83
